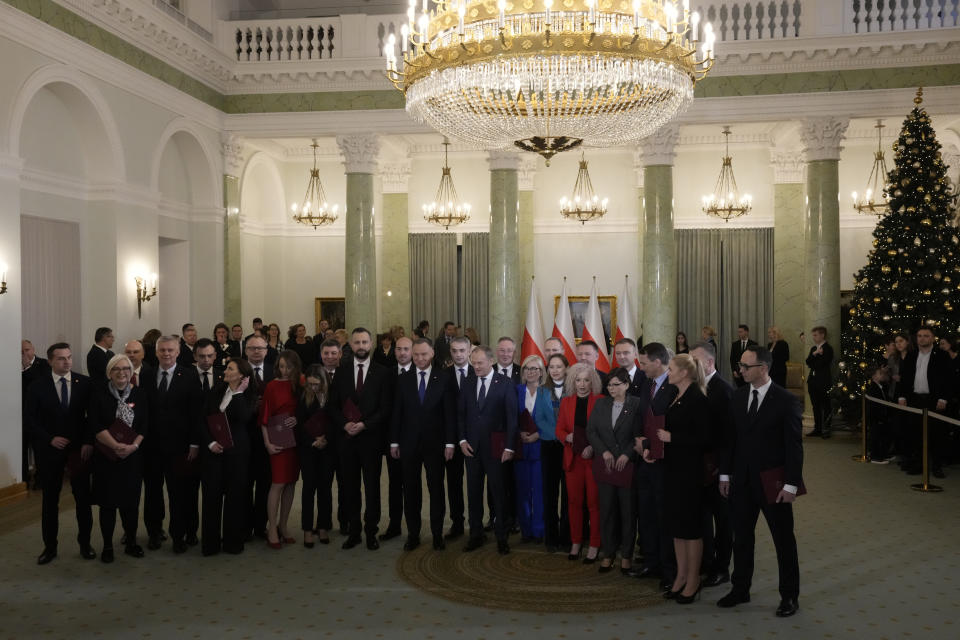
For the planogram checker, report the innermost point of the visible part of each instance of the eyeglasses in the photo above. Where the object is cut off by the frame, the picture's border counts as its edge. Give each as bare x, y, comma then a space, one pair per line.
121, 370
251, 348
532, 369
615, 383
749, 366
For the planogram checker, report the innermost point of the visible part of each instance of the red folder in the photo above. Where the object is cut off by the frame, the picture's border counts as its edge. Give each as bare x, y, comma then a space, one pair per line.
76, 465
220, 429
613, 477
580, 441
351, 411
772, 481
498, 443
279, 434
526, 423
316, 425
122, 433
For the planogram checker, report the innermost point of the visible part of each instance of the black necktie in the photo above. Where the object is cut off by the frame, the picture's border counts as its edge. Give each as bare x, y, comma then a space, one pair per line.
754, 405
359, 378
483, 393
206, 381
64, 394
257, 377
422, 389
163, 382
463, 376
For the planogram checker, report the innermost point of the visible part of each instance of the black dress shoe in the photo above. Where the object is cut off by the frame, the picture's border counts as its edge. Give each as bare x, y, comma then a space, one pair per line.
154, 542
732, 599
391, 533
372, 543
438, 544
788, 607
455, 532
47, 556
192, 540
629, 572
715, 579
179, 546
502, 547
605, 568
351, 542
87, 552
412, 543
133, 550
106, 555
474, 543
646, 572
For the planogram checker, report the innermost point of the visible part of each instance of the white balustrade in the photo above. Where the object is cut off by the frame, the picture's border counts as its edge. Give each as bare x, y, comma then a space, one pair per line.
757, 20
876, 16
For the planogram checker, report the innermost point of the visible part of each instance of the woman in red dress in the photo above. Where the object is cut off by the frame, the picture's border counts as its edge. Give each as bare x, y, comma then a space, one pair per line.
279, 398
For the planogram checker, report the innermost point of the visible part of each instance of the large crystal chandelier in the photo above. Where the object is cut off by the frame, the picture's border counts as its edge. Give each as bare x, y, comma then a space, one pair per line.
873, 200
584, 205
314, 211
446, 209
517, 72
726, 201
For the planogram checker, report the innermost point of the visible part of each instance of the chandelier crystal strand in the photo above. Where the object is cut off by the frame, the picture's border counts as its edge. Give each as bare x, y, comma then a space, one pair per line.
314, 211
584, 205
726, 202
868, 203
548, 76
446, 209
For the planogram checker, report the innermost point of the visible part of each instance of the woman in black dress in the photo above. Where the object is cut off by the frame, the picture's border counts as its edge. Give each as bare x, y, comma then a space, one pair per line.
681, 343
118, 475
224, 475
780, 350
298, 341
686, 436
317, 458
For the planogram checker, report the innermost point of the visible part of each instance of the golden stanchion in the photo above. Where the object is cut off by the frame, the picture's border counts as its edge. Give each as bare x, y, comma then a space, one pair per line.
863, 457
925, 486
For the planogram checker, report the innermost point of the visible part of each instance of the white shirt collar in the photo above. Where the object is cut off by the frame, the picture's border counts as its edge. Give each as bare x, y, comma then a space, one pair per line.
761, 393
632, 371
57, 376
404, 367
426, 371
707, 379
169, 371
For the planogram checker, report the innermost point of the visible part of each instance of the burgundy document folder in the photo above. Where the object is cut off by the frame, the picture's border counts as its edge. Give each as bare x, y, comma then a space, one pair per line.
772, 481
616, 478
316, 425
220, 429
122, 434
279, 434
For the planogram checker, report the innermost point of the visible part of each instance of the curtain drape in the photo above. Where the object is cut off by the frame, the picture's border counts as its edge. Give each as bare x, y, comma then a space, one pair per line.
50, 268
433, 279
474, 283
725, 279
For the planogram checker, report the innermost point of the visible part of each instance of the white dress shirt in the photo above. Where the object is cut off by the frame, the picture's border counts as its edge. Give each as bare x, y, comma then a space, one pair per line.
56, 384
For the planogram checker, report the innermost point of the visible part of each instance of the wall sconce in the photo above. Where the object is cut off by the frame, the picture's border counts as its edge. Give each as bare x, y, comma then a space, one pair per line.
142, 294
3, 278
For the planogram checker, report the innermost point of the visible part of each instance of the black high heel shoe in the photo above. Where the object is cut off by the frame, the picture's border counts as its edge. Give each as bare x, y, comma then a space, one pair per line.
672, 595
575, 556
682, 599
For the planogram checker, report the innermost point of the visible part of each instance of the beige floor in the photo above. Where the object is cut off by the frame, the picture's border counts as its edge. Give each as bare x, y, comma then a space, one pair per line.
877, 559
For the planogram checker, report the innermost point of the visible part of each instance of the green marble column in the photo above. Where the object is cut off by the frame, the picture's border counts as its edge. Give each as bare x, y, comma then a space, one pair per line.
395, 260
231, 250
789, 297
360, 272
525, 180
504, 293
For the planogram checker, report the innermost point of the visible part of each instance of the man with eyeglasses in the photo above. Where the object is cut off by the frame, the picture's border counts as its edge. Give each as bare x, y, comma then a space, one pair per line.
258, 479
764, 452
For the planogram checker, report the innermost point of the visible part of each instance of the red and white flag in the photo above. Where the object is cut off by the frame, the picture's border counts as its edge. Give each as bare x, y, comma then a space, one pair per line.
563, 326
593, 329
625, 318
532, 344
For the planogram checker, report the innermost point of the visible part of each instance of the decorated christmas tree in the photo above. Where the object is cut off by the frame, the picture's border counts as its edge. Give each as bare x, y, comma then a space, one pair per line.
912, 276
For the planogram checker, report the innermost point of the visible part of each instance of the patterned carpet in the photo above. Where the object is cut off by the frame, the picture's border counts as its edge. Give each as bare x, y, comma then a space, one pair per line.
877, 561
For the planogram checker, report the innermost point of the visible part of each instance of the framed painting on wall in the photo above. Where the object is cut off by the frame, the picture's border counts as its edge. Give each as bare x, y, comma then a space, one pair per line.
333, 310
578, 313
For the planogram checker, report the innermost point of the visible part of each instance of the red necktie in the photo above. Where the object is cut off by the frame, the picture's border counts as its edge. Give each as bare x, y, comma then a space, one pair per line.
359, 378
133, 379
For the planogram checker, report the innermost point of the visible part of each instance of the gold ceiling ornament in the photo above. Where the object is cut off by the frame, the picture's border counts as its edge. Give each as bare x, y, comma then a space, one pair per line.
446, 209
314, 211
584, 205
726, 201
497, 73
873, 200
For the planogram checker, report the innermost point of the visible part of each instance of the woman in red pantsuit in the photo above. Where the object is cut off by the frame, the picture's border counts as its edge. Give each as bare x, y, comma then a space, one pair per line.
581, 390
280, 397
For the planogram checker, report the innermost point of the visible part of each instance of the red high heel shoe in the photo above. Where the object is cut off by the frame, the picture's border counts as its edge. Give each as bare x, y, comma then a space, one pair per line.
275, 545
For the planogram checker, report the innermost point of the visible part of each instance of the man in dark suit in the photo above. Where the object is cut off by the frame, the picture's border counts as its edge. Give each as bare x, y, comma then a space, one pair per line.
236, 341
360, 410
506, 349
257, 324
487, 425
330, 356
442, 345
100, 354
458, 373
422, 435
205, 353
926, 382
32, 368
765, 436
258, 476
738, 347
588, 352
171, 455
188, 340
403, 355
819, 381
141, 371
625, 353
718, 530
56, 412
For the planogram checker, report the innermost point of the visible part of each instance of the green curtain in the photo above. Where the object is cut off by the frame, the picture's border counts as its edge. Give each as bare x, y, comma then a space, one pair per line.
433, 279
474, 283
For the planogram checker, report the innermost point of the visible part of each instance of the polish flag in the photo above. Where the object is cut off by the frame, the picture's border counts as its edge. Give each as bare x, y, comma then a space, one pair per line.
532, 344
593, 329
563, 326
625, 326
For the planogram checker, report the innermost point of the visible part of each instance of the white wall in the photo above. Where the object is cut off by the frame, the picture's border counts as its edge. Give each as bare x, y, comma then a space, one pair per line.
173, 298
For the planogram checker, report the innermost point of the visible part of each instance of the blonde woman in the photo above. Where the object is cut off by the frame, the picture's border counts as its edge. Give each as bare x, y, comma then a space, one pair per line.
533, 399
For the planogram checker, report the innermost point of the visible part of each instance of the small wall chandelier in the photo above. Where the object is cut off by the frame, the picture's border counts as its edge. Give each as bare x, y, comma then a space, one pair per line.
868, 202
584, 205
726, 202
315, 211
446, 209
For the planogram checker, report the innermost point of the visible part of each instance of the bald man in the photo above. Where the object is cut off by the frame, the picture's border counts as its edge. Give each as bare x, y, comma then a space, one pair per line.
134, 351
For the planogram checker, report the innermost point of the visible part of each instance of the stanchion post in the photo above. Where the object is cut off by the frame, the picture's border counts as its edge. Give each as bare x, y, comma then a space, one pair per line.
863, 457
925, 486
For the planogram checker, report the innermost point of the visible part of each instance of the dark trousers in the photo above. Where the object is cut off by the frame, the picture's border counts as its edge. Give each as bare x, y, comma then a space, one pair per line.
717, 530
316, 471
820, 405
360, 457
259, 479
937, 440
413, 464
154, 509
51, 463
746, 503
454, 469
509, 510
658, 554
224, 480
108, 522
395, 490
183, 491
478, 468
556, 523
617, 515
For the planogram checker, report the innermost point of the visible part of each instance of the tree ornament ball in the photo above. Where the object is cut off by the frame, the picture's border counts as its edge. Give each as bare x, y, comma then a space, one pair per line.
927, 292
916, 164
885, 268
891, 252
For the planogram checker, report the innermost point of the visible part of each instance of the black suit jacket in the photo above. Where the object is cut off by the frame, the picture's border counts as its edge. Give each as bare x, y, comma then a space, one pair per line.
266, 372
601, 432
514, 373
217, 377
736, 351
147, 373
176, 417
186, 355
373, 401
427, 426
37, 369
939, 375
499, 413
97, 360
772, 439
820, 374
46, 418
719, 393
452, 373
